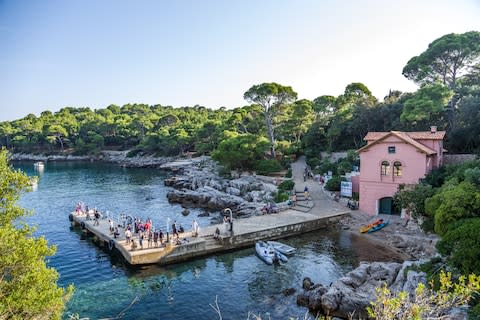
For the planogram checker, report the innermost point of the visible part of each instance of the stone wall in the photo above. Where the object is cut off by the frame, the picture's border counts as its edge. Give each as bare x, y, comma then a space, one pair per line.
333, 156
458, 158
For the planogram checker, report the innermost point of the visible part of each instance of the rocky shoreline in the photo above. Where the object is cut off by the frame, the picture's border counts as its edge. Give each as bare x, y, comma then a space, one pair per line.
118, 157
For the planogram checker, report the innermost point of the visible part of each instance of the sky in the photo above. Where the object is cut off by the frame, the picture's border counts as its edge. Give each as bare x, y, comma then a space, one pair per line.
93, 53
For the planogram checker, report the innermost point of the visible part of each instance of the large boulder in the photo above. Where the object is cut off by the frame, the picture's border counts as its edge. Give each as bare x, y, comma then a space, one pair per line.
352, 293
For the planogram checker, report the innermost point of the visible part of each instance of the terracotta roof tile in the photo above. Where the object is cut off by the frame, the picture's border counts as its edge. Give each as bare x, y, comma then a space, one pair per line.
375, 137
417, 135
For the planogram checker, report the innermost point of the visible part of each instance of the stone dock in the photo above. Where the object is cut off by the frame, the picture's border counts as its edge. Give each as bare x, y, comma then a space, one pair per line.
245, 232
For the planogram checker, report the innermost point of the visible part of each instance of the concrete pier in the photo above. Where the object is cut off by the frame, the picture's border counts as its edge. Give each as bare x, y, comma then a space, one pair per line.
245, 232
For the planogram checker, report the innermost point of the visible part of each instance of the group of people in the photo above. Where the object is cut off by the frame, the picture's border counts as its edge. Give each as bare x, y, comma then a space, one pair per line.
149, 237
307, 173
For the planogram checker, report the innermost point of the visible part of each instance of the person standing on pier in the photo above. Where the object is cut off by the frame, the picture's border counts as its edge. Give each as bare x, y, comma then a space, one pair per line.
195, 228
160, 236
110, 221
128, 235
174, 229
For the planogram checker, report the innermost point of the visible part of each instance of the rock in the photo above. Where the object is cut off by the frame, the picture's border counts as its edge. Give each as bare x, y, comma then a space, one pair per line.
303, 300
315, 298
289, 291
354, 291
204, 214
307, 283
233, 191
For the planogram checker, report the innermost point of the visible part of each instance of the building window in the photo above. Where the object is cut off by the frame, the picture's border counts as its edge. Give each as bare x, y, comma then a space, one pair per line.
391, 149
385, 168
397, 168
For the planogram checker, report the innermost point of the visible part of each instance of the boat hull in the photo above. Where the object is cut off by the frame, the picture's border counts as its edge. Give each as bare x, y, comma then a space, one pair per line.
265, 252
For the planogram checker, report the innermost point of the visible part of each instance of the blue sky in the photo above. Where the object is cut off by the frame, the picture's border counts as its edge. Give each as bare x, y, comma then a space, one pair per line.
94, 53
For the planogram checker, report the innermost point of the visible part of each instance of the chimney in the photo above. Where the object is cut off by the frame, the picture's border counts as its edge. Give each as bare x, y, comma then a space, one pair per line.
433, 129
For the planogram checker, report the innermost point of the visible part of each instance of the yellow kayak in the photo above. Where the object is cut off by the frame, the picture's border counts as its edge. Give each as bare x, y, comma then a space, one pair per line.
365, 229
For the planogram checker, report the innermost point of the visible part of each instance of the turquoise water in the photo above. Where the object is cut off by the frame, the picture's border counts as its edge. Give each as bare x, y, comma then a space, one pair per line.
106, 287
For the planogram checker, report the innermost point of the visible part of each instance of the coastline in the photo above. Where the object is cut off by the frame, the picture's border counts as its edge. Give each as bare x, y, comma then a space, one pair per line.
110, 156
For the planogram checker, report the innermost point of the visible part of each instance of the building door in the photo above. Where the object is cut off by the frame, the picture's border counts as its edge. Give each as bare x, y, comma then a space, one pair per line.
385, 206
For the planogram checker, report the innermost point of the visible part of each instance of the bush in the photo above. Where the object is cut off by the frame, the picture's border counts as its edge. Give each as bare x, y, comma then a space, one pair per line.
289, 173
457, 203
286, 185
313, 162
428, 225
333, 184
265, 167
133, 153
281, 196
460, 243
343, 167
326, 166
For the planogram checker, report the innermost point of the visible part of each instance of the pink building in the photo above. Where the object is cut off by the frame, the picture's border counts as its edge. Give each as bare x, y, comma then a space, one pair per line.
393, 158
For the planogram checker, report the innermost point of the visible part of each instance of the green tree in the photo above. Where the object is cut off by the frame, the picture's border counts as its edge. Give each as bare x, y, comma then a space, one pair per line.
270, 96
28, 288
240, 151
429, 101
412, 198
447, 60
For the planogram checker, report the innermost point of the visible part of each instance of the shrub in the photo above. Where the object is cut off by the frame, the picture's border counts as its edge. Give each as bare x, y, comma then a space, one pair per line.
281, 196
333, 184
313, 162
427, 303
460, 243
326, 166
457, 203
289, 173
264, 167
286, 185
343, 167
133, 153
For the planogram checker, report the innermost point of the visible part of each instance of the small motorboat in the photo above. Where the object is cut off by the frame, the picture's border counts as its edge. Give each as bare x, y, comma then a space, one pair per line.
265, 252
280, 256
282, 248
39, 165
378, 227
367, 228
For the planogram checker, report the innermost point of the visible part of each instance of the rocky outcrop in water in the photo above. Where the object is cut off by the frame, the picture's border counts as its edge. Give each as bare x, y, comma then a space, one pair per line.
352, 293
199, 185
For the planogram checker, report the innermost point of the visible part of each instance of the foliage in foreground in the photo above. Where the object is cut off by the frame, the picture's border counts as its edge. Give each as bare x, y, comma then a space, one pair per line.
426, 303
28, 288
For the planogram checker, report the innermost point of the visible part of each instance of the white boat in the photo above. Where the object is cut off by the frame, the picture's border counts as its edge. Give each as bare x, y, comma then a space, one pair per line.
265, 252
282, 248
39, 164
280, 256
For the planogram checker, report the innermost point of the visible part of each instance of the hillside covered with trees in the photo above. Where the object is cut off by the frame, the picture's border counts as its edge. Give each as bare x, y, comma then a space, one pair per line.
448, 73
